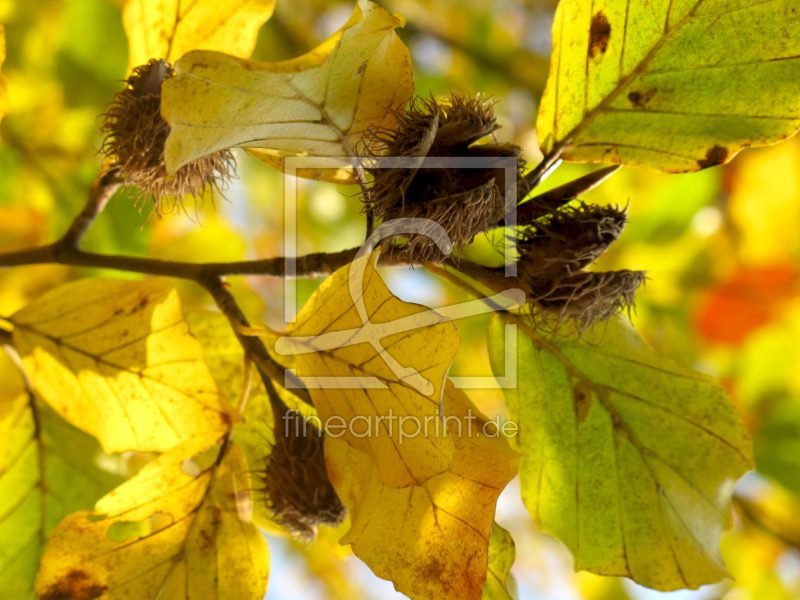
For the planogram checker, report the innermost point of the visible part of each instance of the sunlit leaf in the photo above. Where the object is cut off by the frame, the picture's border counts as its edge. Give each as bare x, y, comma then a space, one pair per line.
116, 359
628, 458
319, 104
431, 541
380, 412
174, 531
671, 85
170, 28
48, 469
3, 81
501, 557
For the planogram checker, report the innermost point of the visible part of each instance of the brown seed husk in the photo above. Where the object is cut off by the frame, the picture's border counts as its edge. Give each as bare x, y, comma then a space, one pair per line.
587, 297
569, 240
295, 479
465, 202
135, 134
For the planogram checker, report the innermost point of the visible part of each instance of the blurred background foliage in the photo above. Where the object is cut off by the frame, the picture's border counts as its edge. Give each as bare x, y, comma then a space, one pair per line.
721, 248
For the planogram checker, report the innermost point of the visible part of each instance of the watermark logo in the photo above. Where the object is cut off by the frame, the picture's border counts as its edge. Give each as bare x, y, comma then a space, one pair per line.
374, 333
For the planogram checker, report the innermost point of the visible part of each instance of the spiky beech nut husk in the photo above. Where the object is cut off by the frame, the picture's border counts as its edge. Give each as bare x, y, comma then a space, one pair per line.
295, 480
587, 297
464, 201
135, 134
570, 239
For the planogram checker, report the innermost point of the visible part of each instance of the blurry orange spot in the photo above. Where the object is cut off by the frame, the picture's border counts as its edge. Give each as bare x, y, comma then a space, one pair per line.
731, 311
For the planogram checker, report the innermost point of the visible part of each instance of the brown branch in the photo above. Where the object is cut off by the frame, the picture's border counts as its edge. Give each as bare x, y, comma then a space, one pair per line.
253, 347
103, 188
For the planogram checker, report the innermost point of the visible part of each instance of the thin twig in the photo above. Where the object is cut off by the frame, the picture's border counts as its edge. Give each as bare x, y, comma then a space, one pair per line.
253, 347
103, 189
543, 204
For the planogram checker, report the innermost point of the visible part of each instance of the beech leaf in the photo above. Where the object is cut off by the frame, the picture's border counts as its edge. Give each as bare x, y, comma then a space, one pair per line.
116, 359
431, 541
502, 553
174, 531
628, 458
671, 85
48, 469
319, 104
169, 29
376, 411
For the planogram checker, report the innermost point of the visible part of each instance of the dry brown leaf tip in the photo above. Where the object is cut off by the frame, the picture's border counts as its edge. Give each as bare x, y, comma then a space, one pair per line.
464, 201
134, 137
295, 483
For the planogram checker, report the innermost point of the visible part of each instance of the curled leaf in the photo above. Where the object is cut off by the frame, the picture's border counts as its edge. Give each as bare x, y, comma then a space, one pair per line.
319, 104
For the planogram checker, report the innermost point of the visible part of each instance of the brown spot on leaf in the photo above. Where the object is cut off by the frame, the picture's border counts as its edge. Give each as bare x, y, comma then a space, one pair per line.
715, 156
583, 401
76, 585
640, 99
599, 34
363, 67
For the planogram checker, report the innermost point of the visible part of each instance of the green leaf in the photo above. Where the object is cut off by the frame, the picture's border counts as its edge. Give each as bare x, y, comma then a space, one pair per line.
502, 553
673, 85
48, 469
628, 458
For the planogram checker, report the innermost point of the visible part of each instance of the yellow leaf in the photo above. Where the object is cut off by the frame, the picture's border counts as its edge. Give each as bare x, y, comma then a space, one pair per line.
432, 541
170, 28
47, 471
319, 104
174, 531
670, 85
3, 80
115, 358
379, 411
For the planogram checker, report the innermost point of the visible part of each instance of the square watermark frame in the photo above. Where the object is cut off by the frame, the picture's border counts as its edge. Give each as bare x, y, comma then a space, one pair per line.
294, 163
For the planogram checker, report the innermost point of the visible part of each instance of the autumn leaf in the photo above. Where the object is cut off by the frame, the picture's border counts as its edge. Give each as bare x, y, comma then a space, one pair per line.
169, 29
628, 458
502, 553
432, 541
3, 80
115, 358
48, 469
174, 531
380, 411
673, 86
319, 104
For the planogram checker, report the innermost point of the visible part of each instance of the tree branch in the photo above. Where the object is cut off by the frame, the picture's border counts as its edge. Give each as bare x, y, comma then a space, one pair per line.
253, 347
102, 190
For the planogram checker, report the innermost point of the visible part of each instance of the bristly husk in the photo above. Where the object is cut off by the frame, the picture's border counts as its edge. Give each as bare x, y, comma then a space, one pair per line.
464, 201
135, 134
586, 297
569, 240
295, 479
